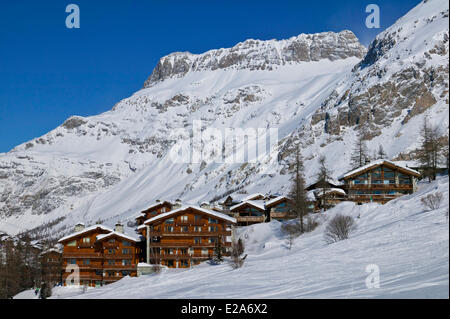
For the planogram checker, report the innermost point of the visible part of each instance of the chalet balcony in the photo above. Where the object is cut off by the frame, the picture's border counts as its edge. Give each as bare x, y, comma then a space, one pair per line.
182, 256
251, 219
117, 256
82, 255
119, 267
380, 186
185, 245
190, 233
110, 245
282, 215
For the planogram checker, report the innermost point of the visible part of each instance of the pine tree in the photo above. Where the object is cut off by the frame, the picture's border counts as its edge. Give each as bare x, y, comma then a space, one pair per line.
360, 152
218, 251
298, 194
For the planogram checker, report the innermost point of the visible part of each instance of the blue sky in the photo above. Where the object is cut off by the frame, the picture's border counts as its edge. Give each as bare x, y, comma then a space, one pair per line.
49, 72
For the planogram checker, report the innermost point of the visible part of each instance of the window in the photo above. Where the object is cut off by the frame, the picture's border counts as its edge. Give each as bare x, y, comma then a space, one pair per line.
98, 273
112, 241
169, 229
212, 240
153, 213
198, 218
86, 262
111, 262
183, 251
126, 273
126, 243
389, 175
163, 209
213, 228
72, 261
388, 181
184, 229
110, 273
183, 263
111, 251
126, 251
376, 181
204, 251
170, 263
405, 181
357, 181
212, 221
197, 229
184, 219
86, 240
169, 221
197, 240
126, 262
72, 243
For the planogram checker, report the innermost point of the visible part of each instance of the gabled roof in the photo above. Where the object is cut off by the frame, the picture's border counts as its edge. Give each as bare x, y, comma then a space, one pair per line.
255, 203
86, 230
318, 192
184, 208
376, 164
114, 233
236, 198
276, 200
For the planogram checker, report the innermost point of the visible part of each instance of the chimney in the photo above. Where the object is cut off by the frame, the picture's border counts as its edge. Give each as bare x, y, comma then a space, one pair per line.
119, 228
79, 227
158, 201
177, 204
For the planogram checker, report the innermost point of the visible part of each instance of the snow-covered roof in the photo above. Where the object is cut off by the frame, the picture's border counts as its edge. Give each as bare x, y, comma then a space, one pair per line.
378, 163
310, 195
240, 197
88, 229
103, 236
255, 203
276, 199
183, 208
332, 181
319, 192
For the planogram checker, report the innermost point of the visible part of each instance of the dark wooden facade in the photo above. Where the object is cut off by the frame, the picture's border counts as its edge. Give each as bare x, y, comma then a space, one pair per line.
100, 261
51, 266
380, 182
249, 213
186, 237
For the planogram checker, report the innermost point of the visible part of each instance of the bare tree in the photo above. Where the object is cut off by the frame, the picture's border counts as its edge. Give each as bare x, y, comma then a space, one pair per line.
381, 154
298, 195
360, 152
429, 151
432, 201
237, 250
339, 228
323, 176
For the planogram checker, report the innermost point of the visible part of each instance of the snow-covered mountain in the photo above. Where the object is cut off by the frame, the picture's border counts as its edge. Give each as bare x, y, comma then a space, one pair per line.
315, 89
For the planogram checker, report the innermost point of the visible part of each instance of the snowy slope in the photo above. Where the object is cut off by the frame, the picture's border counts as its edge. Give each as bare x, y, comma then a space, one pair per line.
409, 244
315, 89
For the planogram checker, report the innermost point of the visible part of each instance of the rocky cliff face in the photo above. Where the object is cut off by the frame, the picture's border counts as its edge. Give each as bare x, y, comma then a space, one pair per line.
261, 55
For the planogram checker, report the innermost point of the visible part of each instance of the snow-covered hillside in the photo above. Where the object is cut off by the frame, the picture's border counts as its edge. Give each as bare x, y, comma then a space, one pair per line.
408, 243
315, 89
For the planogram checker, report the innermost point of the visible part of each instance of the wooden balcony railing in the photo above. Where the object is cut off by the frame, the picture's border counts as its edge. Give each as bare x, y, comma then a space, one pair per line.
381, 186
190, 233
117, 256
281, 215
119, 266
82, 255
255, 219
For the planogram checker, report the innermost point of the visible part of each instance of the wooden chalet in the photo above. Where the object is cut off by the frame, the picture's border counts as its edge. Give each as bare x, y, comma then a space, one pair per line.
51, 266
186, 236
249, 212
379, 181
333, 196
279, 209
103, 255
154, 210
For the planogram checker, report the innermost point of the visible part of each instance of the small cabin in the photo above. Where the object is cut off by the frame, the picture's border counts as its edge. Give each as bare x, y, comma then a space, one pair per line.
249, 212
